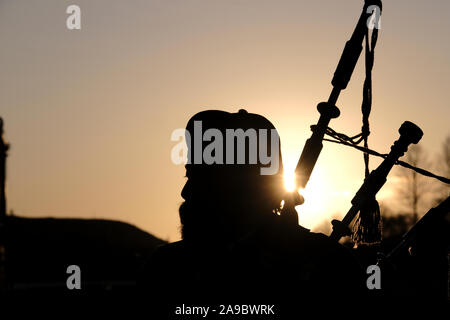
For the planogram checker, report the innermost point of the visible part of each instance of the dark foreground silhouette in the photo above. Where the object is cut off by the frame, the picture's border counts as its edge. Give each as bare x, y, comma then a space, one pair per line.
240, 246
110, 255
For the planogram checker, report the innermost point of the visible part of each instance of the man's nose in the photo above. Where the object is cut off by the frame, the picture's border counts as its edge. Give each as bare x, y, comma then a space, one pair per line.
186, 190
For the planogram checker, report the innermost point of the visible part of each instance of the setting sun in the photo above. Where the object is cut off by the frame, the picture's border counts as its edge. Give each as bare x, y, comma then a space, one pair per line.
318, 208
289, 180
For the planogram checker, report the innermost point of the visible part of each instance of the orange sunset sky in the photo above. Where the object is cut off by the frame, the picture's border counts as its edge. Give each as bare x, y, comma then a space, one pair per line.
89, 113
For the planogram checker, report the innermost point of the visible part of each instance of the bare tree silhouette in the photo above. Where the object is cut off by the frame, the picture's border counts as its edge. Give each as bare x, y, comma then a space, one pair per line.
413, 188
443, 165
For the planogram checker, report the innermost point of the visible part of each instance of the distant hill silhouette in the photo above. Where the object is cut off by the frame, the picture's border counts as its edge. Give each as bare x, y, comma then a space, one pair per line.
109, 253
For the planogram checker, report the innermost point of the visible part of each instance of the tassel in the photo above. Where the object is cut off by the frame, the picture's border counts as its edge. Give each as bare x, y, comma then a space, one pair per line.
367, 228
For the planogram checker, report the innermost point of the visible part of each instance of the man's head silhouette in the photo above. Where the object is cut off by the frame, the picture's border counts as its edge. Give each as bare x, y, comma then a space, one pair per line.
234, 175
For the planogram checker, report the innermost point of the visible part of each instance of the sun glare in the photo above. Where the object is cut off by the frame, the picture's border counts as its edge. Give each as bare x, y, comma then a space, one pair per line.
289, 180
315, 209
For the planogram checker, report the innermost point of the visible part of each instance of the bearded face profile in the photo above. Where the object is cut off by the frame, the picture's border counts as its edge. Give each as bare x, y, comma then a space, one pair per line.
224, 201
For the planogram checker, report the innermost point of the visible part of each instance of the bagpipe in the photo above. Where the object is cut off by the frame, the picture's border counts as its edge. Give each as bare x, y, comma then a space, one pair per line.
409, 133
423, 228
364, 212
418, 267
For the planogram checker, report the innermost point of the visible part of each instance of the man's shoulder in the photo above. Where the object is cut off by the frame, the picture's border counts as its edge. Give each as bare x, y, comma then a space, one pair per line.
165, 257
304, 235
318, 243
170, 249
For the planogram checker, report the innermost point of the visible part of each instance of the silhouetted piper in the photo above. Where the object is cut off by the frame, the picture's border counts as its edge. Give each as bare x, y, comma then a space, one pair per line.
236, 246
